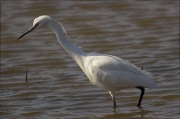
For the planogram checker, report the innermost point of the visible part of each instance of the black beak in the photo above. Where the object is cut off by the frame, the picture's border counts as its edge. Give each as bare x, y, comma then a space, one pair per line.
31, 29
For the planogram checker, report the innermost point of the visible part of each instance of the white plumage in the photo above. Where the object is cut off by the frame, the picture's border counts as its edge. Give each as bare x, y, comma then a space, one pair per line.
105, 71
115, 73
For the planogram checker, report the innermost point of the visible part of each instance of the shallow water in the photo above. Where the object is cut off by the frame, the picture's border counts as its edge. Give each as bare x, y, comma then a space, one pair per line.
144, 33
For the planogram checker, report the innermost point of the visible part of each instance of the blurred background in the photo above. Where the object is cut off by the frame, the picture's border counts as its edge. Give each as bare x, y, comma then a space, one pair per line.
146, 33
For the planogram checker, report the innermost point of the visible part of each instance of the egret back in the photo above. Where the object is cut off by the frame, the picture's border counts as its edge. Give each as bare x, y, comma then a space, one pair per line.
115, 72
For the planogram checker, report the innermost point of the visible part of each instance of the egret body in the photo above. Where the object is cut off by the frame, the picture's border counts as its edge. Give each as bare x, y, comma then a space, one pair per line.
105, 71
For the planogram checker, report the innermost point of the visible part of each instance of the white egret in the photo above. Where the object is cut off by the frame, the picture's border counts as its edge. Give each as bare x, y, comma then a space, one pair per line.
105, 71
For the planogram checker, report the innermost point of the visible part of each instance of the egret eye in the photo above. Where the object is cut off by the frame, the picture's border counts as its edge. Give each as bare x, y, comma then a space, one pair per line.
37, 24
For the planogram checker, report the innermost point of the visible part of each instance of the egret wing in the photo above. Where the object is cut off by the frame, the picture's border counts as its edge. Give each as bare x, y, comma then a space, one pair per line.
116, 72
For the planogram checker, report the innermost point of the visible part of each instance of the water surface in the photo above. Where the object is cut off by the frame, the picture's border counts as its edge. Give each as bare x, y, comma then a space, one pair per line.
144, 33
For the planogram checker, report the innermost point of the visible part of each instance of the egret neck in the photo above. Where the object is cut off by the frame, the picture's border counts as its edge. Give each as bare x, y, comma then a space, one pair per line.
76, 53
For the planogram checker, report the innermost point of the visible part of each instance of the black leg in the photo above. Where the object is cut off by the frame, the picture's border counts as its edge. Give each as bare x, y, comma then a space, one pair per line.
113, 98
114, 102
141, 96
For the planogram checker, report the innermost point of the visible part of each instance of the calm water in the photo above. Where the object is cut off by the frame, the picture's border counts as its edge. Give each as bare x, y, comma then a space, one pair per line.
144, 33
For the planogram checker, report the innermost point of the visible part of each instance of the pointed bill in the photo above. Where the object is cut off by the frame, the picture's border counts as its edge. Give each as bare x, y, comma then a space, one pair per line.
31, 29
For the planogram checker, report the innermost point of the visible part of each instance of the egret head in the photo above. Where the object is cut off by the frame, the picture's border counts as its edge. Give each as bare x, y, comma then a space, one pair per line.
38, 22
